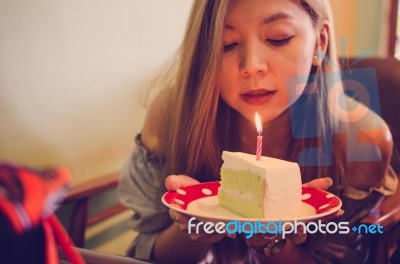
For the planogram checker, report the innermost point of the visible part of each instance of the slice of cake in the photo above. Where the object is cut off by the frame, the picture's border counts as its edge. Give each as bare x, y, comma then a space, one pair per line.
266, 188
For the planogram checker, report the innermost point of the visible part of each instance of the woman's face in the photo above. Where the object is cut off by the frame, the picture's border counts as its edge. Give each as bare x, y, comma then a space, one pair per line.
266, 42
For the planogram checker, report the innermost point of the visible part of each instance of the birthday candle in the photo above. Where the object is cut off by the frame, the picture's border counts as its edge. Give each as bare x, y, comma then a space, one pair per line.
259, 137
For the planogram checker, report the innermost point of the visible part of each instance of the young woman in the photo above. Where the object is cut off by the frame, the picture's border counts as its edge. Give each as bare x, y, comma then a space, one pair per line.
238, 57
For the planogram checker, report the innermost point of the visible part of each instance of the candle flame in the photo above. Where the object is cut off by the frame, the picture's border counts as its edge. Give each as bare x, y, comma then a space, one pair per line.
258, 124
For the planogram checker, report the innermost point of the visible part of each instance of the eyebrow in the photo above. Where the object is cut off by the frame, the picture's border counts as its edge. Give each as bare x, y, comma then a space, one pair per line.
268, 20
276, 17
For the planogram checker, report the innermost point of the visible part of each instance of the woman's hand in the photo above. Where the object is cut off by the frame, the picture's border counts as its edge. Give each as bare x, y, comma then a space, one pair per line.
321, 183
173, 183
272, 244
261, 241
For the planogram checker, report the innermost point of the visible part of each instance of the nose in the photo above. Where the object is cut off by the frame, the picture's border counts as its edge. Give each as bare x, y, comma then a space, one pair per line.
253, 60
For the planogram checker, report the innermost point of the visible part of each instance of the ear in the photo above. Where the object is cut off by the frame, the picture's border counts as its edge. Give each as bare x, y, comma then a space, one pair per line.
321, 45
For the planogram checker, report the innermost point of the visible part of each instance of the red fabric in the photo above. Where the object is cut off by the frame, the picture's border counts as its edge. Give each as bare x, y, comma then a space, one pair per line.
28, 199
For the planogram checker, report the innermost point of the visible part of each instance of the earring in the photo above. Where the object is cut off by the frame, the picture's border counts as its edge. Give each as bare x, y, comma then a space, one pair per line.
315, 61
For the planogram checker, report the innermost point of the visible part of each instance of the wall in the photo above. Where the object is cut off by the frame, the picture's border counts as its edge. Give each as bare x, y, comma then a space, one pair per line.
70, 76
361, 27
345, 26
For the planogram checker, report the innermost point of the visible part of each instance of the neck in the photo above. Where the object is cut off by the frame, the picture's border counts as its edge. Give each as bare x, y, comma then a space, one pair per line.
276, 136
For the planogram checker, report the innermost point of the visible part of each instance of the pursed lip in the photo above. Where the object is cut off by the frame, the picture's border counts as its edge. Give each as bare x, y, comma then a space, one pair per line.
257, 96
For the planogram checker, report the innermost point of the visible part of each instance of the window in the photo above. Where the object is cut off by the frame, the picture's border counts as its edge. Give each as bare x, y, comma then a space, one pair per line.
397, 41
394, 30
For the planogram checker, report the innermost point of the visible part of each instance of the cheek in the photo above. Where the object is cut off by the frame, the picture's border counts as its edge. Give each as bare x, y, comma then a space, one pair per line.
294, 92
226, 95
226, 71
226, 81
300, 62
297, 85
301, 65
298, 74
224, 89
223, 93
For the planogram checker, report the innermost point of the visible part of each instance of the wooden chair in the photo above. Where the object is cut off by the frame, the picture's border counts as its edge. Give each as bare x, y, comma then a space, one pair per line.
388, 81
386, 247
80, 197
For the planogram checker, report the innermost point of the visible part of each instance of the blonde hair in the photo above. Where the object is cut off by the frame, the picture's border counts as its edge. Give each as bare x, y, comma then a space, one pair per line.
327, 123
189, 135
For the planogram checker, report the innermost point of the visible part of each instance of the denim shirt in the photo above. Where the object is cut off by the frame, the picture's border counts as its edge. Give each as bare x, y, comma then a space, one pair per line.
140, 188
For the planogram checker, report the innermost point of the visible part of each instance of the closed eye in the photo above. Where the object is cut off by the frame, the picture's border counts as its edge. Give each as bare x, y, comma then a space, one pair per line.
279, 42
229, 47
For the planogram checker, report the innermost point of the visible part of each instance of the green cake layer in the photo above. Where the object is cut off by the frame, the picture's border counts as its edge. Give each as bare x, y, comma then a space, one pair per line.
234, 194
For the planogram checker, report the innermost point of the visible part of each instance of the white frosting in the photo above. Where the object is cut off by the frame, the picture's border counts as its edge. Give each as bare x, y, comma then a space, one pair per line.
240, 160
282, 197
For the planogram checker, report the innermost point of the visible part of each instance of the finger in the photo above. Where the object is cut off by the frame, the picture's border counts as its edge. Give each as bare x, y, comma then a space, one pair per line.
259, 240
178, 217
174, 182
255, 241
207, 238
229, 235
339, 213
321, 183
298, 238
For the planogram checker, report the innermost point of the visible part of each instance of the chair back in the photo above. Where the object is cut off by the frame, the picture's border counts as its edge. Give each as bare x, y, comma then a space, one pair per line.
388, 81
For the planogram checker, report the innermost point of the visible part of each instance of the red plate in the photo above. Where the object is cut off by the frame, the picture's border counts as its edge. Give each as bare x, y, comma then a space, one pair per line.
200, 200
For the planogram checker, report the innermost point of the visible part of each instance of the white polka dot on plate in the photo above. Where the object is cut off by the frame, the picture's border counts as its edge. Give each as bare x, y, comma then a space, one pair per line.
323, 206
206, 191
179, 201
305, 196
180, 191
329, 195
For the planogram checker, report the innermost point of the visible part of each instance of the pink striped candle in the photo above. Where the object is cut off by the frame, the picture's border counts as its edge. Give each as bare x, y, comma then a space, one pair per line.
259, 137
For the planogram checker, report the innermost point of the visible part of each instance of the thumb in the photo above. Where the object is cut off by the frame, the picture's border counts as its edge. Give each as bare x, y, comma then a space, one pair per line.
321, 183
174, 182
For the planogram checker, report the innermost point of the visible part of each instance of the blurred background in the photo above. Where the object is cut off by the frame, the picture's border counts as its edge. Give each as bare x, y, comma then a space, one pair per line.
72, 74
